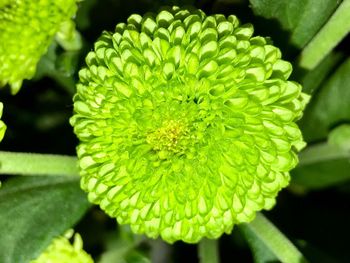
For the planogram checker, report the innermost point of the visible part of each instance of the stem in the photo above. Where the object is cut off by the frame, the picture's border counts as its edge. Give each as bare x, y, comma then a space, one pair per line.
327, 38
208, 251
37, 164
160, 251
262, 229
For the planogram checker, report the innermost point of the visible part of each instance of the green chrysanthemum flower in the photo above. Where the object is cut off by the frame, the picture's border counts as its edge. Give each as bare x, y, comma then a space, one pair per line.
62, 251
26, 31
187, 124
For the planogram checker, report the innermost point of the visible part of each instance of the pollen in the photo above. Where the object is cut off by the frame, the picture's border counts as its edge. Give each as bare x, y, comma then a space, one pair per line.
169, 137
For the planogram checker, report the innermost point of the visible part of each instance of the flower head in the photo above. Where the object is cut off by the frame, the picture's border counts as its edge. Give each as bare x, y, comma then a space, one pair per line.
186, 124
26, 31
62, 251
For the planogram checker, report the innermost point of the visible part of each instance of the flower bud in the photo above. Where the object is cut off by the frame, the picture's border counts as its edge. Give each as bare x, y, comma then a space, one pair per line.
62, 251
27, 29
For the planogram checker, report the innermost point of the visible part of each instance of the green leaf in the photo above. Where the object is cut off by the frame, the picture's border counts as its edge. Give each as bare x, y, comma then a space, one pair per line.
312, 81
327, 38
322, 175
34, 210
303, 18
340, 137
329, 107
137, 257
325, 164
268, 243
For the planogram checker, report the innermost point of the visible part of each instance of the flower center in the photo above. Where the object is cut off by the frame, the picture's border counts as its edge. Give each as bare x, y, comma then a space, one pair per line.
169, 138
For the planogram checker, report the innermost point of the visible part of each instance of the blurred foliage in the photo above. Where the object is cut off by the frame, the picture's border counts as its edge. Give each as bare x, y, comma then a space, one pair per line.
330, 106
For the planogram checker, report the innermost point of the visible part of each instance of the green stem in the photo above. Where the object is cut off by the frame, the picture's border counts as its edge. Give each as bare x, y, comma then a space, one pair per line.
337, 27
37, 164
263, 230
208, 251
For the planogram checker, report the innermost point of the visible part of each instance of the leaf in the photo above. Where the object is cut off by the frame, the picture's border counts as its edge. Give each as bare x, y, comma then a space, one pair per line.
325, 164
303, 18
137, 257
268, 243
329, 107
340, 137
321, 175
337, 27
312, 81
33, 211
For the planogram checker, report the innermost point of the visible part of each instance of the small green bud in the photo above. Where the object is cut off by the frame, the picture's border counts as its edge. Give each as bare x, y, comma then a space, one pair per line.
186, 124
62, 251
